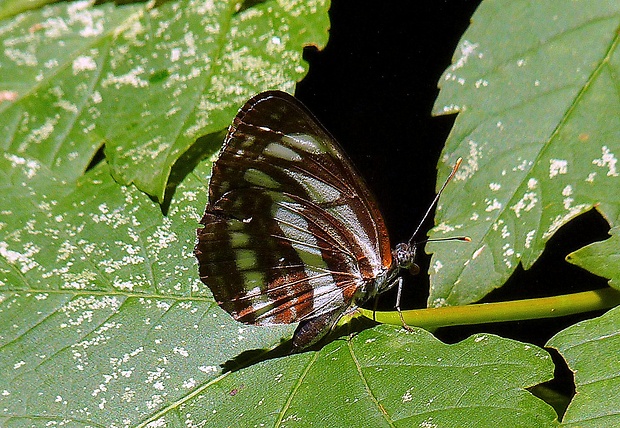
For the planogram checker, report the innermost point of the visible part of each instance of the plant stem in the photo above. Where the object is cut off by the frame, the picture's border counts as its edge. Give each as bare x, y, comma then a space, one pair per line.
545, 307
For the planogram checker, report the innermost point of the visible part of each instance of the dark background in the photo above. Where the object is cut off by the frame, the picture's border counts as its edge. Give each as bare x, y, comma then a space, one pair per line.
373, 87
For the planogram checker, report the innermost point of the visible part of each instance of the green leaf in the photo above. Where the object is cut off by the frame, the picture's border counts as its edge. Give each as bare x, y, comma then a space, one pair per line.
103, 319
591, 349
601, 258
145, 81
12, 7
383, 377
539, 130
103, 322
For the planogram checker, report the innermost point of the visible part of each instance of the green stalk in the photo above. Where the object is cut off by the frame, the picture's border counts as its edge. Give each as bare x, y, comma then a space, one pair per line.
516, 310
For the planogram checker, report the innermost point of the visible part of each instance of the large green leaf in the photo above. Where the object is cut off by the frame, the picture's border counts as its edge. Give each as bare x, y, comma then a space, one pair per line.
102, 317
385, 377
145, 81
535, 85
103, 322
591, 349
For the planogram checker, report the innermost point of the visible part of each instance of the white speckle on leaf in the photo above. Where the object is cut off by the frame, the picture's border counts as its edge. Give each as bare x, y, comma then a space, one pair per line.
131, 78
467, 49
478, 252
175, 54
407, 396
495, 186
450, 109
526, 203
607, 160
96, 97
529, 237
523, 165
508, 253
437, 266
445, 228
532, 183
32, 166
8, 96
559, 220
208, 369
163, 305
155, 401
189, 383
180, 351
557, 166
481, 83
469, 167
439, 302
492, 205
567, 191
78, 280
21, 58
19, 364
83, 63
23, 259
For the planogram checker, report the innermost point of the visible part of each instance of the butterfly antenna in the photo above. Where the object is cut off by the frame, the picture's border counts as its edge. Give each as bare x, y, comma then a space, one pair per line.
432, 205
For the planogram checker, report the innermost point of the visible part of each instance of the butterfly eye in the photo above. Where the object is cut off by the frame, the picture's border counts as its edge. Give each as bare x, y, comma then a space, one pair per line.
405, 257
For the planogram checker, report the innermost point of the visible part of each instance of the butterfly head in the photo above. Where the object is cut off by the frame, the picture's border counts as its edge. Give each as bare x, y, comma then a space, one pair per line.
404, 254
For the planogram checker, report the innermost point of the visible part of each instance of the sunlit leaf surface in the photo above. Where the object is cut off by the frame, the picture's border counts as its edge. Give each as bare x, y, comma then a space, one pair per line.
144, 81
535, 86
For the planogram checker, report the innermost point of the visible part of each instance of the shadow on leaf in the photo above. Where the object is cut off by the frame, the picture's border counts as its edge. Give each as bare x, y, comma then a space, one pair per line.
202, 148
285, 348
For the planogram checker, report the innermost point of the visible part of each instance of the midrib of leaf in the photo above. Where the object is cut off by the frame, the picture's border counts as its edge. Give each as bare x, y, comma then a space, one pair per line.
296, 387
358, 367
162, 412
580, 94
128, 295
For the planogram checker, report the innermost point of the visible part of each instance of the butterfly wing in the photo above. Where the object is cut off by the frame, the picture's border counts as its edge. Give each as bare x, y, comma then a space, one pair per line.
291, 232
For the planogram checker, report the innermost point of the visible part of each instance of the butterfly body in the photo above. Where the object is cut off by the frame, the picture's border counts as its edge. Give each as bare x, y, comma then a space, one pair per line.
291, 231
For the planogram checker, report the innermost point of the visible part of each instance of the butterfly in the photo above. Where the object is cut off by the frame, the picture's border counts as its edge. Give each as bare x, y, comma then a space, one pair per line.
291, 231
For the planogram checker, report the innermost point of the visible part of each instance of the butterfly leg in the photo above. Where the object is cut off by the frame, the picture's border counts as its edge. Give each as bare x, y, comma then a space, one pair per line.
399, 291
309, 332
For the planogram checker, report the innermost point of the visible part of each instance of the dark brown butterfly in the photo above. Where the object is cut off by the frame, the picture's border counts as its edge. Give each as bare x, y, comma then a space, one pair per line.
291, 231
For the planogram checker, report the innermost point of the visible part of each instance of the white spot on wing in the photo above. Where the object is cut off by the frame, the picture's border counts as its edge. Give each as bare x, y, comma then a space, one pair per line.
279, 151
304, 142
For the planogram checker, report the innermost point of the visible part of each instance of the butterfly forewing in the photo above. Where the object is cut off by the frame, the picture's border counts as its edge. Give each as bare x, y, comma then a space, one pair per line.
291, 231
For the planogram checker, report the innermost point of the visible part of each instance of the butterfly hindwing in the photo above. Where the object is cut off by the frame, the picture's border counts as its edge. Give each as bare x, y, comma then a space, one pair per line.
291, 232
